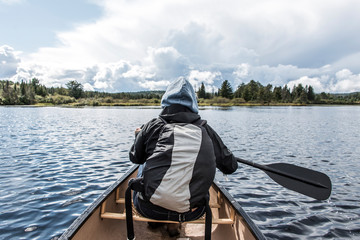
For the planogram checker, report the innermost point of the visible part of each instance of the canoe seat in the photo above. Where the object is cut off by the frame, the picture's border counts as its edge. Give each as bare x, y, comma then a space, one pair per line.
130, 215
137, 216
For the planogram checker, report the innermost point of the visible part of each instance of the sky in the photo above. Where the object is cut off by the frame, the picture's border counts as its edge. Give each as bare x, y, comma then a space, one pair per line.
136, 45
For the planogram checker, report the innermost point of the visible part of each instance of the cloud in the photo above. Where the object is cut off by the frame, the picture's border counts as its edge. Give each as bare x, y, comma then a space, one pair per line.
196, 78
167, 62
343, 81
118, 76
9, 61
346, 81
323, 79
278, 75
318, 83
139, 45
154, 85
162, 65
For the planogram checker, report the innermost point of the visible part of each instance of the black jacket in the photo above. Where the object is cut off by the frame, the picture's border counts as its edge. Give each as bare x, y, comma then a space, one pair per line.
168, 175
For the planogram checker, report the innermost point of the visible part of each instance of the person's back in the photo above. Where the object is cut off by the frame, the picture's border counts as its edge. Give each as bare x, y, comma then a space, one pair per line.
179, 153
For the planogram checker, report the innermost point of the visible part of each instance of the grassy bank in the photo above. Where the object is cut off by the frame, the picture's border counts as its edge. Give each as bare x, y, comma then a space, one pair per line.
218, 102
32, 93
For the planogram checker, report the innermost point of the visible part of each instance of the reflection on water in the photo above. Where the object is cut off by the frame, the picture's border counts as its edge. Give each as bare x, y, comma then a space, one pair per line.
56, 161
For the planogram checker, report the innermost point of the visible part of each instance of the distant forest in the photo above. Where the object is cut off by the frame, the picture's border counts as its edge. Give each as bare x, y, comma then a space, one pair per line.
253, 93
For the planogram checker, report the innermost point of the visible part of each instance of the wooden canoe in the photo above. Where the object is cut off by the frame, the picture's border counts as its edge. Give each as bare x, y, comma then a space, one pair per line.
105, 218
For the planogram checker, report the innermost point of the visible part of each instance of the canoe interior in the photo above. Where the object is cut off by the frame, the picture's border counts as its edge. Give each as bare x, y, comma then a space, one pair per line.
90, 225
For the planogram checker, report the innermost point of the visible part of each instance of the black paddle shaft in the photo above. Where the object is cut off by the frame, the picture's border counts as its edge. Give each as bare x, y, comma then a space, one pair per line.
302, 180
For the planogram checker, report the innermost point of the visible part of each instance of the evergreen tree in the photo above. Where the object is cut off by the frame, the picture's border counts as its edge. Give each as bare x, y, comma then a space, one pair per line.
35, 83
303, 97
201, 93
310, 93
299, 94
247, 95
9, 94
253, 90
323, 95
299, 89
61, 91
267, 93
226, 90
261, 95
286, 95
240, 91
75, 89
277, 94
22, 88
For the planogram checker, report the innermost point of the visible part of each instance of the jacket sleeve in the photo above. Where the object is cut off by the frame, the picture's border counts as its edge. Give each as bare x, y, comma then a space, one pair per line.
225, 160
137, 153
137, 150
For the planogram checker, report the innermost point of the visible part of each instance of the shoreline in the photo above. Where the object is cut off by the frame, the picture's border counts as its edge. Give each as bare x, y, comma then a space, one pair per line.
74, 105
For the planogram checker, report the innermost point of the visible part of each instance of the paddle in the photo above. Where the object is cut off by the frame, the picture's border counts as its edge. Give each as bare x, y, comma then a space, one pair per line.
302, 180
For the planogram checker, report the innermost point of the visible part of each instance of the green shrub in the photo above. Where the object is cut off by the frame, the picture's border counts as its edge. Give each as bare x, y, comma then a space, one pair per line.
238, 101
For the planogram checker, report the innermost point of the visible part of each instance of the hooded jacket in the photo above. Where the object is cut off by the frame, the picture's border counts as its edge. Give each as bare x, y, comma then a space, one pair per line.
181, 152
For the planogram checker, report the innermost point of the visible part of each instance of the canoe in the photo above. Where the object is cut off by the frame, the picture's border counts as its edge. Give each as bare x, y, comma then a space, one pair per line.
105, 218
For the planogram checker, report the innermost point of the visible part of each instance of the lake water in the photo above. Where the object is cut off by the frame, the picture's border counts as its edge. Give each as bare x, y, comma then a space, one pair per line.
56, 161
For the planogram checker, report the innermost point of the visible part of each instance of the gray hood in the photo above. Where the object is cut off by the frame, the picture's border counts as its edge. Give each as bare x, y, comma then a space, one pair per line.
180, 92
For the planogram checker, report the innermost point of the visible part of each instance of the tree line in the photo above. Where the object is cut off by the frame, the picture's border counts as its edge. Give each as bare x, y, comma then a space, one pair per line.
255, 92
32, 92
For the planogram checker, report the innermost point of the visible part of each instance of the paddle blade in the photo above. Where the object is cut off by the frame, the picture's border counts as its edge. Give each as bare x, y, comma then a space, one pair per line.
306, 181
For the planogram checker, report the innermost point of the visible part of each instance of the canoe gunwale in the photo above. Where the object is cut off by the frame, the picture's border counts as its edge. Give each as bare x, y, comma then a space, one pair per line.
79, 221
253, 228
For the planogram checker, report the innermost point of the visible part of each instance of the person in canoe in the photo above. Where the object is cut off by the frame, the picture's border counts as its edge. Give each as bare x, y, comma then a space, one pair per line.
179, 153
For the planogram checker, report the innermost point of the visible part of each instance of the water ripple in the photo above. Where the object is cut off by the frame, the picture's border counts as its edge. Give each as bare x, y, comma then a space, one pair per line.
57, 161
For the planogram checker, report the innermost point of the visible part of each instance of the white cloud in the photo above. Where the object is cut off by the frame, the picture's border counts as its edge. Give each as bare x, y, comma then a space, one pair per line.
108, 74
196, 78
138, 45
343, 81
88, 87
346, 81
233, 32
168, 63
163, 65
279, 75
154, 85
343, 74
9, 61
316, 82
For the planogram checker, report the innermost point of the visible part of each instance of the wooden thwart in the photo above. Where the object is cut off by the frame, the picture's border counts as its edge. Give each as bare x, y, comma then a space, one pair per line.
122, 216
138, 217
